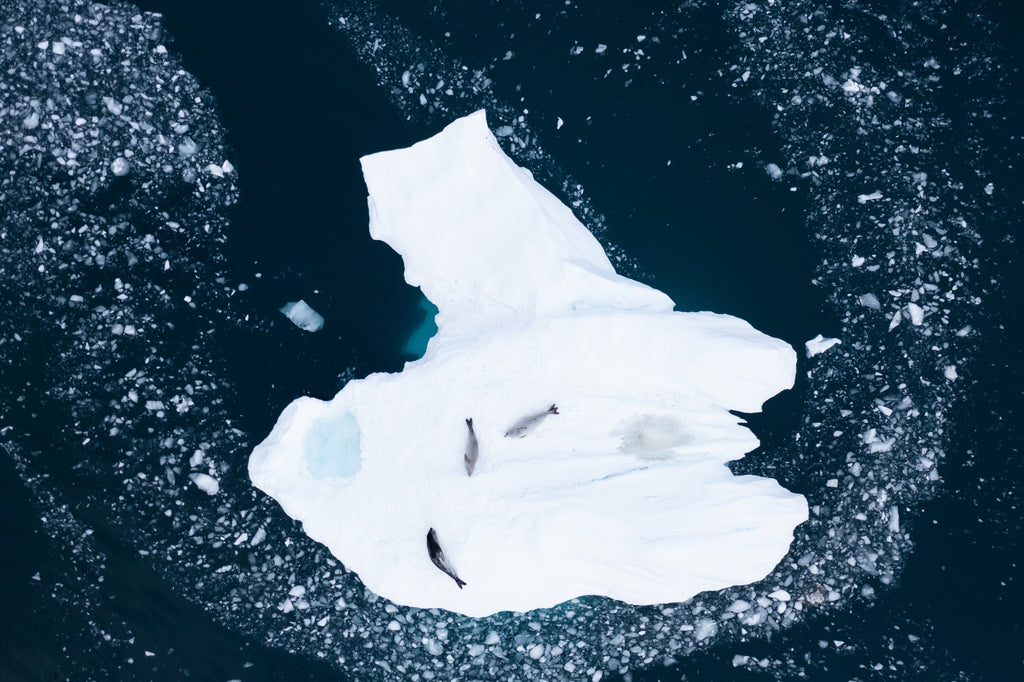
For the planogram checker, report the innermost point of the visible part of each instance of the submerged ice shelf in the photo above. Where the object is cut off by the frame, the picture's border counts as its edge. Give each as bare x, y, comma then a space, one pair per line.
624, 493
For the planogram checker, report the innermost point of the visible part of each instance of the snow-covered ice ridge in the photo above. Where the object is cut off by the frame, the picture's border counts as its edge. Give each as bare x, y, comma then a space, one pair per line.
624, 493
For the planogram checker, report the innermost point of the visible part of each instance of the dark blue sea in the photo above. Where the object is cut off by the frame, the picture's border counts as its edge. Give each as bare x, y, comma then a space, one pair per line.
845, 167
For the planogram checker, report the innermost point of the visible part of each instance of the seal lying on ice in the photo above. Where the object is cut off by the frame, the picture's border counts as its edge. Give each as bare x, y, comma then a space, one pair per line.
439, 559
528, 424
472, 449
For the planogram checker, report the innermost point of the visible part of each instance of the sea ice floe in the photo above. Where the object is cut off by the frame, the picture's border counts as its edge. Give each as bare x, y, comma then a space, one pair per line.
623, 493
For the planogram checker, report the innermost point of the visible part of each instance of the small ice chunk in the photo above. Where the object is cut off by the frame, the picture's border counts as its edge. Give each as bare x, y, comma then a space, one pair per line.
215, 170
303, 316
187, 147
119, 166
258, 537
773, 171
865, 198
916, 314
819, 344
869, 301
894, 519
559, 123
739, 606
950, 372
780, 595
113, 106
208, 484
704, 629
32, 120
857, 261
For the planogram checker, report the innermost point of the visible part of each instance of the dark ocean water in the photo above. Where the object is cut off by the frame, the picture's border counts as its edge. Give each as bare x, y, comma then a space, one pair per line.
670, 147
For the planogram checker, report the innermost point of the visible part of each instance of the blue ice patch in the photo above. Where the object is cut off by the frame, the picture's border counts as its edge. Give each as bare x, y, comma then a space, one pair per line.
332, 447
416, 346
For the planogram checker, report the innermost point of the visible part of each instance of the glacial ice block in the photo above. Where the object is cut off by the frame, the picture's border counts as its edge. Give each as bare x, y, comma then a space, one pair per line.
624, 493
303, 316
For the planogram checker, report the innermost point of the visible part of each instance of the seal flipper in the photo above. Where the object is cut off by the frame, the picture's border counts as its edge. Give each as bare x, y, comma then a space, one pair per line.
553, 409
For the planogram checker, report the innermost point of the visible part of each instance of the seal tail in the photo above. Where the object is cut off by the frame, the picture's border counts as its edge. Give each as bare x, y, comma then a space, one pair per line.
553, 409
469, 423
460, 582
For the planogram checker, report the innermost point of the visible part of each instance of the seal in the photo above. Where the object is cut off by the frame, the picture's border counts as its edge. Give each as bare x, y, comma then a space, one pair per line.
472, 449
527, 424
439, 559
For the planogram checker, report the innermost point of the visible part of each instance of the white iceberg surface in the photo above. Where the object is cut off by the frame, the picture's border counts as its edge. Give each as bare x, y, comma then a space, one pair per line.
623, 493
303, 315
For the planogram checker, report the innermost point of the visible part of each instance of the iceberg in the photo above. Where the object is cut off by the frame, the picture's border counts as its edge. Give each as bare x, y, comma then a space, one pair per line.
621, 491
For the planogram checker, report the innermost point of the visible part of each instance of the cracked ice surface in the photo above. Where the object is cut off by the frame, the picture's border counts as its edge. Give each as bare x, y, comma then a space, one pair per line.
624, 493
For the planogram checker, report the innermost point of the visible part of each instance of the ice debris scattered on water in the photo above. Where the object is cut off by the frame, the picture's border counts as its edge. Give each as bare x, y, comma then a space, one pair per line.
109, 351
